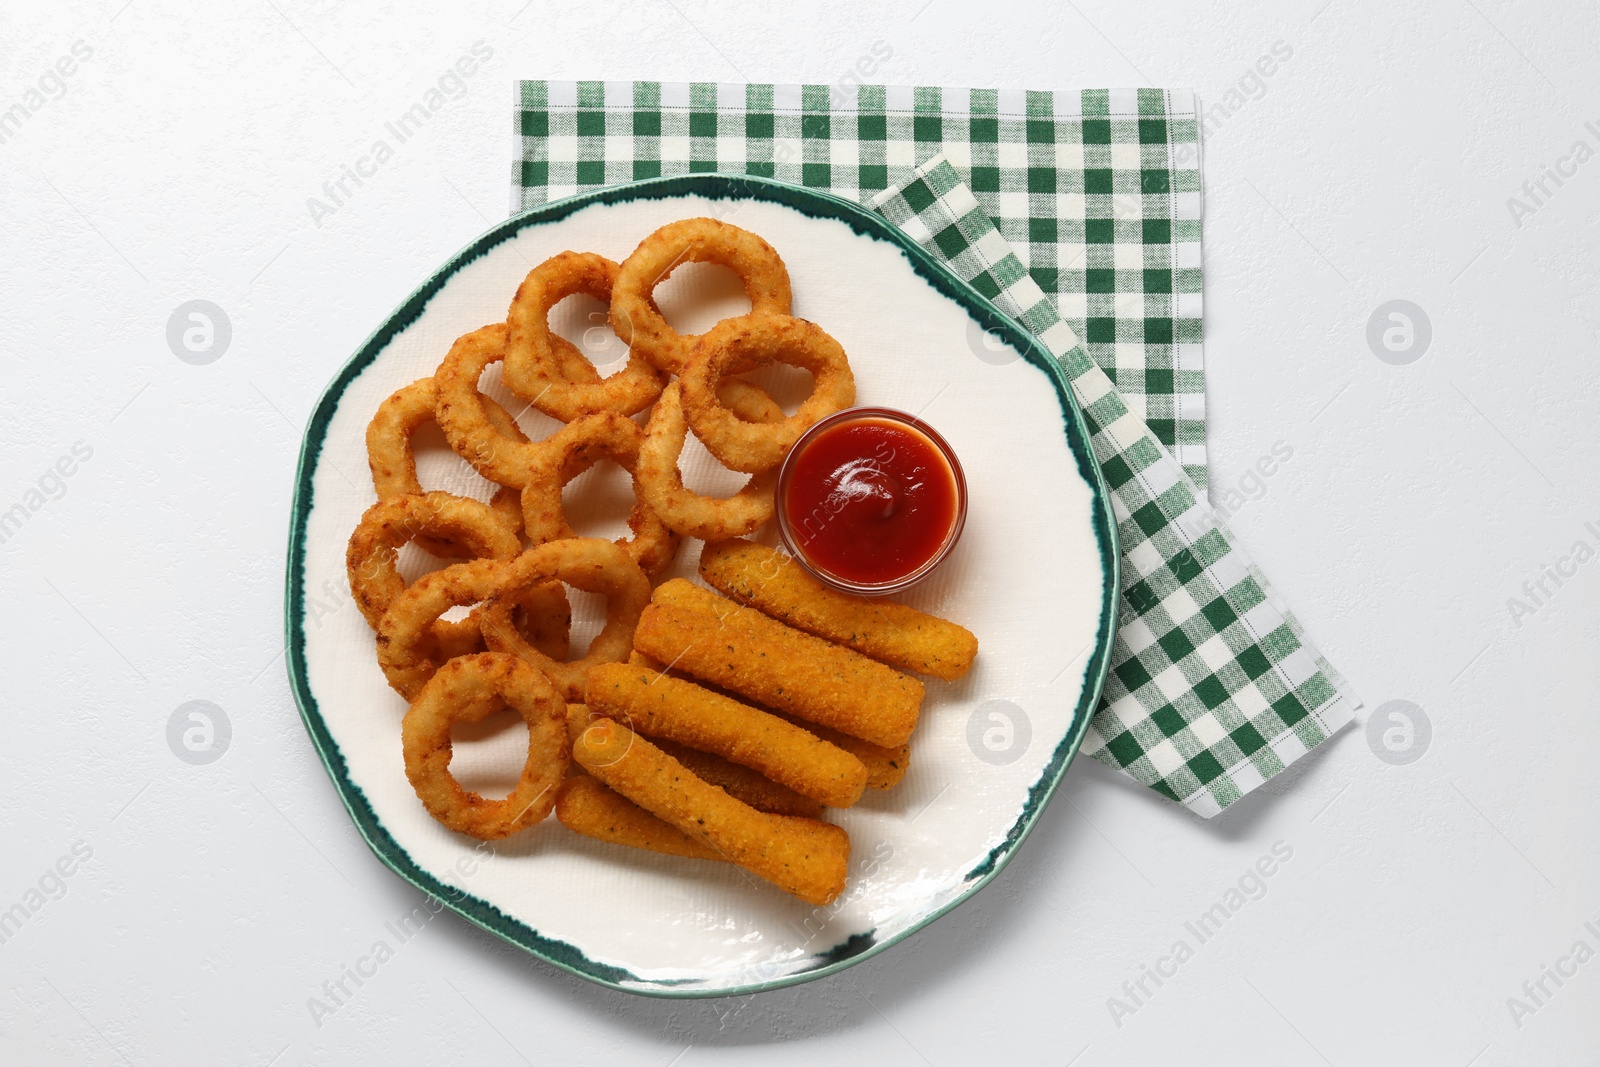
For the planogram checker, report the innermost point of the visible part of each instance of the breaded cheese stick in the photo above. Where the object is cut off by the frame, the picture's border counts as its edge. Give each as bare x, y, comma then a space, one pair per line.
741, 650
885, 766
658, 705
585, 806
738, 782
742, 783
683, 593
891, 633
801, 856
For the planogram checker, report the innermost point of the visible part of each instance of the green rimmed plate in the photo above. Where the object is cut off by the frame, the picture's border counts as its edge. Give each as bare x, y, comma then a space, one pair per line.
1035, 577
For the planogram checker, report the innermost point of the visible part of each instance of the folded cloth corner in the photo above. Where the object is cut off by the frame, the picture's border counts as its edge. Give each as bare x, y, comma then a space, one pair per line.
1213, 686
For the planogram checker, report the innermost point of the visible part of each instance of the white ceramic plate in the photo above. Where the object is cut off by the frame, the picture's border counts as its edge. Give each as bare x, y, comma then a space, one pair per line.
1034, 577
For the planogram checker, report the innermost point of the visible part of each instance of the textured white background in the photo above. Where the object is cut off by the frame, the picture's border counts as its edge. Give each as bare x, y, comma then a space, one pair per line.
1375, 165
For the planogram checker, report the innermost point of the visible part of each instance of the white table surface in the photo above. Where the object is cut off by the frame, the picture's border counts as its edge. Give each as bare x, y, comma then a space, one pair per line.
1376, 164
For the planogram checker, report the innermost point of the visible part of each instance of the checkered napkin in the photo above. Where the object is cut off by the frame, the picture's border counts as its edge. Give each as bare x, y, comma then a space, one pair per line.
1097, 191
1213, 687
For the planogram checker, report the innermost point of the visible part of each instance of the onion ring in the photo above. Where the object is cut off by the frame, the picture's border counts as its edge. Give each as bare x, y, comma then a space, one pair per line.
634, 315
534, 369
507, 504
735, 345
469, 689
585, 563
468, 526
568, 453
405, 655
660, 484
372, 558
464, 413
544, 618
393, 461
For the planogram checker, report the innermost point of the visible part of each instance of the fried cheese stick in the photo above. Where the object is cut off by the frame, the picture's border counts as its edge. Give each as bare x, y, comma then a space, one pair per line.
585, 806
891, 633
738, 782
801, 856
741, 650
658, 705
885, 766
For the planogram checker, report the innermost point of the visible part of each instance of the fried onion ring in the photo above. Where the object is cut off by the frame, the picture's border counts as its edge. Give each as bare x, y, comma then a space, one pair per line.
634, 314
568, 453
408, 656
534, 368
544, 617
660, 484
463, 411
372, 558
736, 345
405, 656
393, 461
507, 503
585, 563
469, 689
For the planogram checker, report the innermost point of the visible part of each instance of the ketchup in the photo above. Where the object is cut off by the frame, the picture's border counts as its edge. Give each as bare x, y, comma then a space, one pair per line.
870, 500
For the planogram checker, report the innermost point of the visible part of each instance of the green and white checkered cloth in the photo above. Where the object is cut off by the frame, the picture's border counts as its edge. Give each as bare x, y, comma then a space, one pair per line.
1097, 191
1213, 687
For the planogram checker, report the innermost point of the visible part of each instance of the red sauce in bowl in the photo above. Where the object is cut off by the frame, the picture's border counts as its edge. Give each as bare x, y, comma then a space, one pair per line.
870, 500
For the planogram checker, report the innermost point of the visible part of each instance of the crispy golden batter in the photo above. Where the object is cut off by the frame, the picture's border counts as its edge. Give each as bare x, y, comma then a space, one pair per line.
408, 658
468, 689
634, 314
585, 806
536, 357
586, 563
891, 633
543, 615
742, 783
885, 766
406, 655
739, 649
572, 450
707, 775
464, 414
658, 705
801, 856
372, 557
738, 782
746, 343
393, 461
660, 483
682, 593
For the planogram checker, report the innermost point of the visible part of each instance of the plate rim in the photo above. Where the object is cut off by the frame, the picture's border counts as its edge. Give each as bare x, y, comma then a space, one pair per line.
714, 186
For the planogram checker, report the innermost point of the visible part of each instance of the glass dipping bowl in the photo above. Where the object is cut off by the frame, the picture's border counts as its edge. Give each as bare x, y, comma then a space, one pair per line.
902, 421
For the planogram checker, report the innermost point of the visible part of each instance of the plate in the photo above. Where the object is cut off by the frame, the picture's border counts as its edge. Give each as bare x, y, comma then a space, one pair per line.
1034, 576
